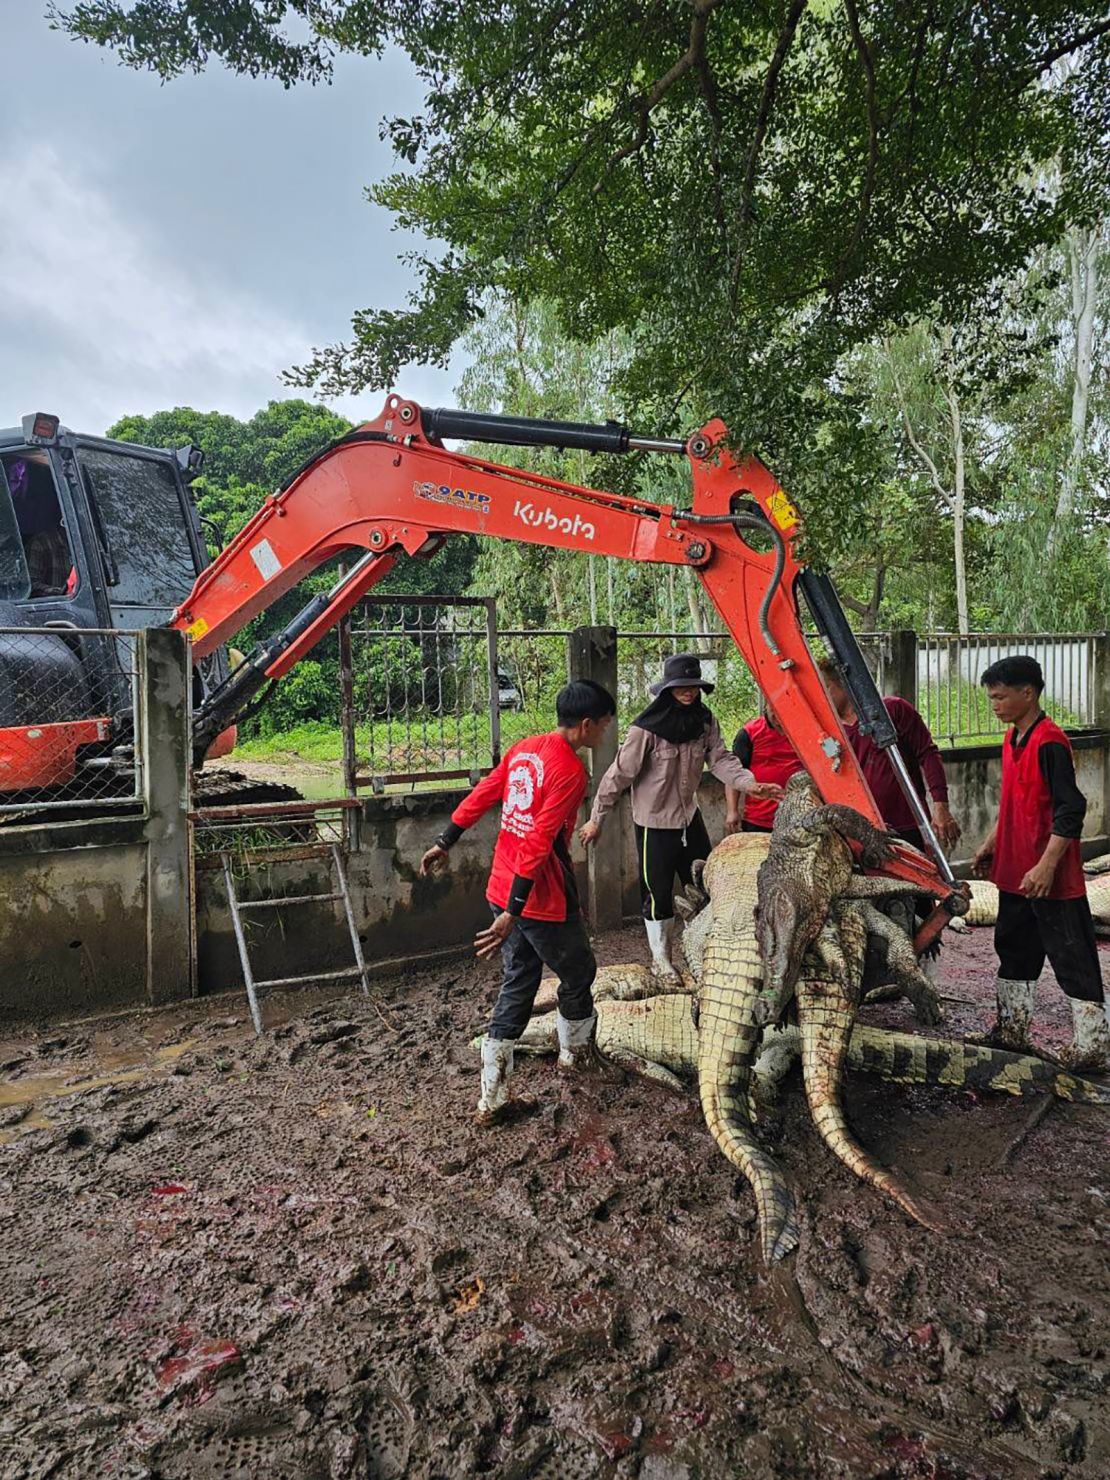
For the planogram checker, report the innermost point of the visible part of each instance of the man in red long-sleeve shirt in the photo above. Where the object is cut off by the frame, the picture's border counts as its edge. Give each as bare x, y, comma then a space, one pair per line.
540, 785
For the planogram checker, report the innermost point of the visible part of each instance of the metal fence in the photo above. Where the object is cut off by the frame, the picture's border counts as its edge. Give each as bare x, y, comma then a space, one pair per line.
422, 690
69, 731
954, 703
437, 691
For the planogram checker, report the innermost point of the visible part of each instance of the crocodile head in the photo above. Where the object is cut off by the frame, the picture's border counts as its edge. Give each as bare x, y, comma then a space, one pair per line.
784, 933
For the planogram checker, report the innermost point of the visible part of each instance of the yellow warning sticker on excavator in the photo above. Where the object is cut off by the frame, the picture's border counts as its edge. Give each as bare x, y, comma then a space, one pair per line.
197, 629
782, 511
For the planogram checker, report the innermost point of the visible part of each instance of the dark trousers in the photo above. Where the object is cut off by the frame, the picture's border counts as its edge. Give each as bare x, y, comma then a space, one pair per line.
664, 852
757, 827
561, 945
1028, 930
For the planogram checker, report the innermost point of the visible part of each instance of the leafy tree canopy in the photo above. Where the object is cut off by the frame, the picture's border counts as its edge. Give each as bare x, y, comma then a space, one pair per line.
750, 189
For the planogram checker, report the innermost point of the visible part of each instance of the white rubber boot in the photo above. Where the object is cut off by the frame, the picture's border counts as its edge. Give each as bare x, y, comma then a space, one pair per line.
1015, 1013
1089, 1050
497, 1070
660, 934
576, 1038
930, 965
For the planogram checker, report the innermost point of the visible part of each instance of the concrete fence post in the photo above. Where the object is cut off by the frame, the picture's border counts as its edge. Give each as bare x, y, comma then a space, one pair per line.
900, 676
164, 680
592, 653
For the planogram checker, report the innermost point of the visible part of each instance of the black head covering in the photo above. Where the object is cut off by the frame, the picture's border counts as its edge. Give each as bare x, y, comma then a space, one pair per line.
674, 722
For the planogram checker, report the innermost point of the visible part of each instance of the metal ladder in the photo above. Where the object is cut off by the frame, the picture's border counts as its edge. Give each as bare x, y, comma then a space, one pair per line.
238, 906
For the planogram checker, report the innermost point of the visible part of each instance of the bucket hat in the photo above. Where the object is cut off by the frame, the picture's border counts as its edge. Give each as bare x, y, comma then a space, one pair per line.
682, 671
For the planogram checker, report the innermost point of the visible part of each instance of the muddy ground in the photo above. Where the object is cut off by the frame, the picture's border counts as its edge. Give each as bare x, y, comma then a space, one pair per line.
298, 1257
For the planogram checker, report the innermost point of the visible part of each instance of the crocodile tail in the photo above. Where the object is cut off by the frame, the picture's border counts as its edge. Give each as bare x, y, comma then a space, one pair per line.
908, 1058
728, 1042
825, 1018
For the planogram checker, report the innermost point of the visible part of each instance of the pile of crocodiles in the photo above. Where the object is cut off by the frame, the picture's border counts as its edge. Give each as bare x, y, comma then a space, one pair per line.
777, 923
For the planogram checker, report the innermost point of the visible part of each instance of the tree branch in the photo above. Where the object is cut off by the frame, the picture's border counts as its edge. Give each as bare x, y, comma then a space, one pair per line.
762, 123
867, 190
1065, 49
911, 436
659, 89
708, 84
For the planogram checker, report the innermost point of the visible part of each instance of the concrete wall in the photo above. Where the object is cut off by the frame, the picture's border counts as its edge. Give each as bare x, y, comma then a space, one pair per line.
399, 915
97, 913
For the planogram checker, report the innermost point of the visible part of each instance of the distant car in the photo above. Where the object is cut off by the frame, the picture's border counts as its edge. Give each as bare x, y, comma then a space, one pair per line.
508, 695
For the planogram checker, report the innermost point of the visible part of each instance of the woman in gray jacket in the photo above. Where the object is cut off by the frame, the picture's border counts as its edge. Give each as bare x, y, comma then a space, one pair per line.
662, 759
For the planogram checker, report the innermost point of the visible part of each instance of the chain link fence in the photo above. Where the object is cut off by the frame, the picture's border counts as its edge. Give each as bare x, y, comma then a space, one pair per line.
69, 732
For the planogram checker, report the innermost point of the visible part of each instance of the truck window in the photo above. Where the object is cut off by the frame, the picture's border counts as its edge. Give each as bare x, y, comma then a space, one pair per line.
47, 556
15, 584
145, 525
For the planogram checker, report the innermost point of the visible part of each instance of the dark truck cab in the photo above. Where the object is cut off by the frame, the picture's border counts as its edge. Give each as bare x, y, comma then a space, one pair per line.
94, 535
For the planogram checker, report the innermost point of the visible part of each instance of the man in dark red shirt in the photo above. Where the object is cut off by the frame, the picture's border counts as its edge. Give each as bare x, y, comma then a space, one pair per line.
1032, 854
540, 785
765, 751
919, 751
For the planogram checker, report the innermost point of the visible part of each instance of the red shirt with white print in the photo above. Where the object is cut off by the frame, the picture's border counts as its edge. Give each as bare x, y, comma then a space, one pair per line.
540, 784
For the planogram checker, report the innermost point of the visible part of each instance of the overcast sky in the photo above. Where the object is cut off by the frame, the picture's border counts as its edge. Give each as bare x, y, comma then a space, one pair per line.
181, 245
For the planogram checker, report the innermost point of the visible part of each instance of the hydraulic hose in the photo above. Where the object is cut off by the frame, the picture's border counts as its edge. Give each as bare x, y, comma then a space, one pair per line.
764, 526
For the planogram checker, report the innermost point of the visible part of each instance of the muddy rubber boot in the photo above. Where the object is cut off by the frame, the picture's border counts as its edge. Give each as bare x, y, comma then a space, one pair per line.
497, 1070
576, 1040
1015, 1012
1089, 1050
660, 934
578, 1048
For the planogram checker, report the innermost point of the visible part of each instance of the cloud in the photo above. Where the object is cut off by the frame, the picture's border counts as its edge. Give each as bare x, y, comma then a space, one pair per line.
97, 321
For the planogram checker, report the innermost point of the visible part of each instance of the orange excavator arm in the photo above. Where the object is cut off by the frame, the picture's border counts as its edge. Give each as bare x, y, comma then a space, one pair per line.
392, 488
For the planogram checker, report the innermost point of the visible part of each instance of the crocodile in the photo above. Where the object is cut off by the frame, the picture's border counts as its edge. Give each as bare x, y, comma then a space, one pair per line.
809, 865
656, 1036
749, 967
731, 983
984, 903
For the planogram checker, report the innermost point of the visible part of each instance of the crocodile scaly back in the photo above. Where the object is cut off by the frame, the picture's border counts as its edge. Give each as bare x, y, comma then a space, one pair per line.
731, 984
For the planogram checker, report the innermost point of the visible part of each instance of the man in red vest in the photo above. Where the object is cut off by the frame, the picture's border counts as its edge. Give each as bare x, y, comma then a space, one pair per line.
1032, 854
765, 751
539, 786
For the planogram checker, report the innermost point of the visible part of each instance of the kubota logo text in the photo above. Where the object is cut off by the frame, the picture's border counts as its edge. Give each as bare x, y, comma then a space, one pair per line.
528, 513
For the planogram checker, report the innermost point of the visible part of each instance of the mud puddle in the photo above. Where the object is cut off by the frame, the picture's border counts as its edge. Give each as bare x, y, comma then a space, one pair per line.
298, 1257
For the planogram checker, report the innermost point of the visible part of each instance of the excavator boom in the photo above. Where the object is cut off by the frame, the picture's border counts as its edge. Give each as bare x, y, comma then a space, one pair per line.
392, 488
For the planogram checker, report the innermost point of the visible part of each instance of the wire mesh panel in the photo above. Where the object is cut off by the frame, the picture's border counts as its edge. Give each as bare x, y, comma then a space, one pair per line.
536, 665
954, 703
423, 690
69, 732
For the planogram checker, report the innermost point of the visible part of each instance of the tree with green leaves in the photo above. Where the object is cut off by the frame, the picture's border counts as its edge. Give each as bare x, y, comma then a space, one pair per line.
750, 190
